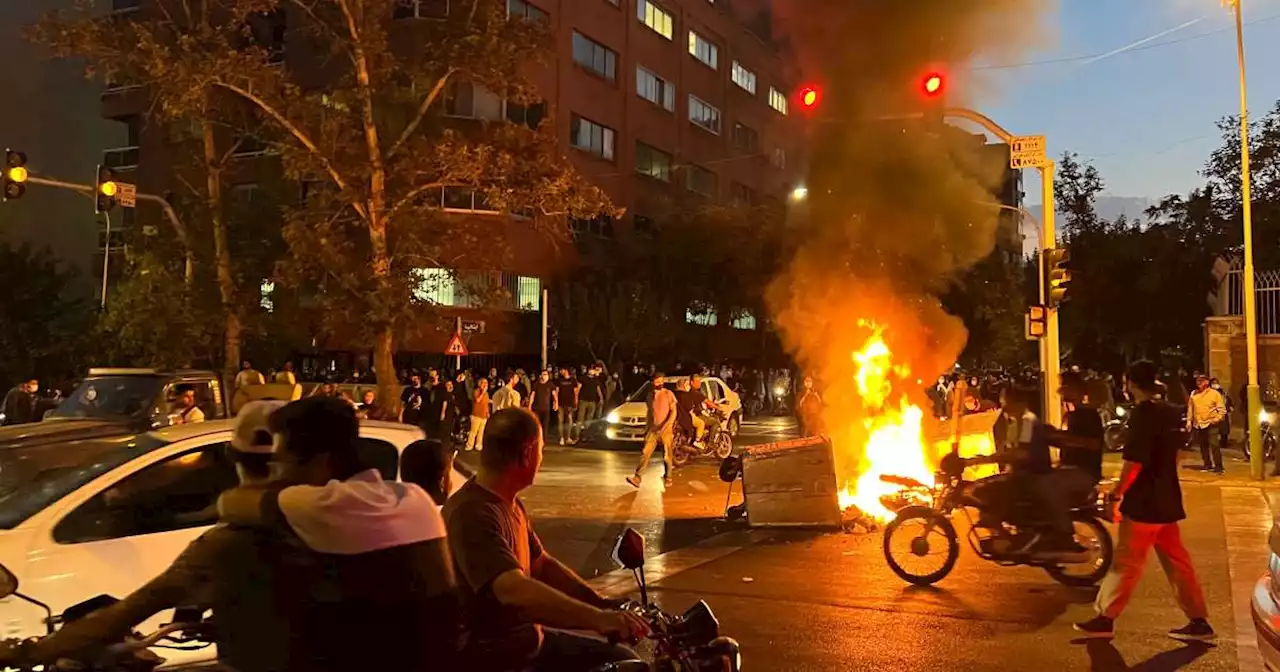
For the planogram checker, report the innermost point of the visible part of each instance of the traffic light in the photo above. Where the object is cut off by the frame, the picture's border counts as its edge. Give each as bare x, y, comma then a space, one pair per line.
809, 97
1057, 276
14, 180
105, 191
933, 84
1037, 323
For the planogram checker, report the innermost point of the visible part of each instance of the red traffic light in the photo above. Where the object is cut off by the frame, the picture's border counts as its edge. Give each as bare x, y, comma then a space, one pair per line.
934, 84
809, 97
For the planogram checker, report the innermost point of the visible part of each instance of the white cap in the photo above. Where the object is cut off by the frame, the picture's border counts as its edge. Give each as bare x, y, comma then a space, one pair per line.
250, 432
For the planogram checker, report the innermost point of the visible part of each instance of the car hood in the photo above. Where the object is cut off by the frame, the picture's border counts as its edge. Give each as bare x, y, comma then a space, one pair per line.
61, 431
632, 408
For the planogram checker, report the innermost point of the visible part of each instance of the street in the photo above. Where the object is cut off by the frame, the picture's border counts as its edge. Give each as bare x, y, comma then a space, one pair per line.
819, 600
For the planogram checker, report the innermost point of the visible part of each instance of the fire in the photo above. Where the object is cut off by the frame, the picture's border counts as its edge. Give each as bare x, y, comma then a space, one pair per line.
890, 431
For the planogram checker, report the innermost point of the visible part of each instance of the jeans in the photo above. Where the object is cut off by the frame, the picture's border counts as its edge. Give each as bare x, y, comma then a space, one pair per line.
587, 411
1059, 491
664, 434
1210, 451
1134, 542
563, 651
565, 420
544, 417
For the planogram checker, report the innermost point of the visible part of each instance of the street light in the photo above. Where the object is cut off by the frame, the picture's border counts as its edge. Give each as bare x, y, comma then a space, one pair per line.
1257, 459
799, 193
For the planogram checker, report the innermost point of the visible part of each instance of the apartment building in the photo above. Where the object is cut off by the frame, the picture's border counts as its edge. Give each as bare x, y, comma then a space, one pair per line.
653, 101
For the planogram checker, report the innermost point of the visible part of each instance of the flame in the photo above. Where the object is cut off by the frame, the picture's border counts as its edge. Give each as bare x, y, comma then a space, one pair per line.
891, 430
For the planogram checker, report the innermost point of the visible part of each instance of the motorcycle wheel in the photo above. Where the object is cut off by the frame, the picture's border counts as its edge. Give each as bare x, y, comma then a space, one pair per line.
1091, 534
680, 451
921, 546
1114, 437
724, 445
735, 424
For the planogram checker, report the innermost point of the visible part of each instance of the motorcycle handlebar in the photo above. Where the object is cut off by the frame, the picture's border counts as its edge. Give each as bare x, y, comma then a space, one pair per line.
148, 641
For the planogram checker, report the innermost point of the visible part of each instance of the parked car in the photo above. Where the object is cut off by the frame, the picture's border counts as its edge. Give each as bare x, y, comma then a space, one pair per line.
624, 426
1266, 605
105, 513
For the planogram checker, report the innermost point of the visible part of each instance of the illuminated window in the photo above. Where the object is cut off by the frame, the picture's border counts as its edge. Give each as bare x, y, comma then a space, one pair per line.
655, 89
435, 285
653, 162
777, 100
704, 114
704, 50
529, 294
266, 296
701, 314
653, 16
744, 78
744, 320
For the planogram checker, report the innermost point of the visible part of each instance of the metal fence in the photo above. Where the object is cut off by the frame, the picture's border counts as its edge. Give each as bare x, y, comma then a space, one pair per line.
1230, 299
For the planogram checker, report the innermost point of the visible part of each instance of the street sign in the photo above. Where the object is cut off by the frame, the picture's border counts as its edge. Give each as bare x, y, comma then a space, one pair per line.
1027, 152
127, 197
456, 348
470, 327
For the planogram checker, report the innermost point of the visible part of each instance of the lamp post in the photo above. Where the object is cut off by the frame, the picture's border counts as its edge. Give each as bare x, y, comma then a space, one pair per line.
1257, 460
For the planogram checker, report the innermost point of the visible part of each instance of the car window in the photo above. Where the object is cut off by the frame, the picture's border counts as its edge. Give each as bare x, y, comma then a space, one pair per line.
380, 455
709, 389
205, 399
176, 493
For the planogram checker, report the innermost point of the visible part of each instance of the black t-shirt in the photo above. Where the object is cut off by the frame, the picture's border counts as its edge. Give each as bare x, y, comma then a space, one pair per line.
592, 389
565, 388
542, 395
489, 537
436, 400
415, 404
691, 401
1084, 422
1154, 438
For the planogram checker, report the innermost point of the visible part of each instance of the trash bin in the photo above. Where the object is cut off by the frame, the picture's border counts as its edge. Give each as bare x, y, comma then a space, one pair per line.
791, 484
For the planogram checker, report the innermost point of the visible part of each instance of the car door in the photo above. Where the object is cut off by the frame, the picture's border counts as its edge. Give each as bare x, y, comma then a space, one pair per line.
127, 526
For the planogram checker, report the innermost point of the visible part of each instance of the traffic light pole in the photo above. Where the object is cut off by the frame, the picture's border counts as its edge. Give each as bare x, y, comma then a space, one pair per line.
169, 213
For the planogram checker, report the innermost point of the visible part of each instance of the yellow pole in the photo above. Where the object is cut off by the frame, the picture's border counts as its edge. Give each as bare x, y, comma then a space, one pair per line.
1257, 462
1050, 359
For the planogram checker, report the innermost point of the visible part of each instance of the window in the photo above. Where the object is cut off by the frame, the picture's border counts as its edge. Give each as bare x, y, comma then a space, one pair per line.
653, 162
176, 493
528, 294
248, 146
529, 115
642, 224
699, 180
591, 137
703, 114
778, 158
701, 314
744, 78
745, 137
266, 296
594, 56
655, 89
435, 285
421, 9
267, 30
501, 290
744, 320
742, 195
704, 50
473, 101
601, 226
777, 100
245, 202
653, 16
466, 199
528, 11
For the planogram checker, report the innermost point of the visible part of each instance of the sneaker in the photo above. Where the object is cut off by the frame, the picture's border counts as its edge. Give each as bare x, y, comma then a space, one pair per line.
1219, 472
667, 483
634, 481
1198, 630
1099, 627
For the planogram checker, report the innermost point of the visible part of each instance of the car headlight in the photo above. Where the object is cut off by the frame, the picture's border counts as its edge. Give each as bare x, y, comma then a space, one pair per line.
779, 391
1266, 417
1120, 412
613, 418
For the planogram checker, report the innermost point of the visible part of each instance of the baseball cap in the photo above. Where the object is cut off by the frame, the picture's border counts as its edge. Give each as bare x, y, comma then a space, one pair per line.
250, 432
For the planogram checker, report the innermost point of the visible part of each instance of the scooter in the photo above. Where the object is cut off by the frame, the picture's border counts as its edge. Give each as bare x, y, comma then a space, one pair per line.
718, 442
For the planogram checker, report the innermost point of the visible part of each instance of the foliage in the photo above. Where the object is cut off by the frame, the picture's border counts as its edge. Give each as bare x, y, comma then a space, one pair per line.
155, 319
988, 297
41, 323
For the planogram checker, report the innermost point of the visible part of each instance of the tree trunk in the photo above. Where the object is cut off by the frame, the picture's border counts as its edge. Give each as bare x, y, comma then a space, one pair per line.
384, 368
233, 328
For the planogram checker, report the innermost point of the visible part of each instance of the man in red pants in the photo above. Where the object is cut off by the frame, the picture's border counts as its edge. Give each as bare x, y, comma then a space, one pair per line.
1148, 507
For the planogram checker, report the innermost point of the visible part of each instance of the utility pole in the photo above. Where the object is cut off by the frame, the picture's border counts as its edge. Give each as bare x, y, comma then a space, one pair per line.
106, 259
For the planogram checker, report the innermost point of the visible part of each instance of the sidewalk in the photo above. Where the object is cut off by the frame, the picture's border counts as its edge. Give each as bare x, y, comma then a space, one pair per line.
1237, 469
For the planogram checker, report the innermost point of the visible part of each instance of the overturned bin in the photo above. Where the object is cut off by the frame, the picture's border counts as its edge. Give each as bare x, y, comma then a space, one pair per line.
794, 484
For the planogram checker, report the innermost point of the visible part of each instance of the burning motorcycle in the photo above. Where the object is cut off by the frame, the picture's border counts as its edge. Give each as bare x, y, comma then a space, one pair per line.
690, 642
717, 441
188, 632
921, 544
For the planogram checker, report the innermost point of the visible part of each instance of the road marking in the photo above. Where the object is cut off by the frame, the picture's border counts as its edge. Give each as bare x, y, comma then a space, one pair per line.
671, 563
1248, 520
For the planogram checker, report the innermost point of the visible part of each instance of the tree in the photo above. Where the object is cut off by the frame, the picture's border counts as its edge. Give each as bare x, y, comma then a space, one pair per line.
41, 322
989, 298
155, 319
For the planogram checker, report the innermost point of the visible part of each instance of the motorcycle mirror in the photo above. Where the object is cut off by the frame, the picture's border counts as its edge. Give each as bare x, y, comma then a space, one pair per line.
8, 583
629, 550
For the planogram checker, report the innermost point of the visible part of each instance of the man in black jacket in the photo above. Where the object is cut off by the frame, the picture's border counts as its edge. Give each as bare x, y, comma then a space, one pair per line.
20, 403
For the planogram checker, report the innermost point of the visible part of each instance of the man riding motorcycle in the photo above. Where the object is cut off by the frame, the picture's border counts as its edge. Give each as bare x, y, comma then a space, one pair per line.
294, 601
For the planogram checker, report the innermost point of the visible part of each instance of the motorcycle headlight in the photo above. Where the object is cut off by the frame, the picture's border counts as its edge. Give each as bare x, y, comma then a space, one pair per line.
613, 418
1120, 412
1266, 417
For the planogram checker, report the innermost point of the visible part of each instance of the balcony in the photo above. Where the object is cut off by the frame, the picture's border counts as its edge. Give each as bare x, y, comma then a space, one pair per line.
120, 159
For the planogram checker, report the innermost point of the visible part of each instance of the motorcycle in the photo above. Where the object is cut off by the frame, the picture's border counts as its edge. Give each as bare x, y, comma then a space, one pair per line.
1116, 433
1004, 539
189, 631
717, 441
690, 642
1266, 420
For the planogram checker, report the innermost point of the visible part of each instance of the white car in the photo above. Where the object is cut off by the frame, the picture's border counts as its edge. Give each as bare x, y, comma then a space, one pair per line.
104, 515
1266, 605
626, 423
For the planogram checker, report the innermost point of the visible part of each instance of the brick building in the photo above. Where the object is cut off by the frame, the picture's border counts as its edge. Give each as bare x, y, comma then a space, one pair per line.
650, 100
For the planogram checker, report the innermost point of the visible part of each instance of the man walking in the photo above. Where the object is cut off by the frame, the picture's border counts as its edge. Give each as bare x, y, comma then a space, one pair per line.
542, 399
590, 399
1205, 409
662, 422
20, 403
566, 403
1148, 500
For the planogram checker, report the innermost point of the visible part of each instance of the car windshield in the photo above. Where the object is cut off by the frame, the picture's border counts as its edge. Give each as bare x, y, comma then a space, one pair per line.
32, 478
645, 390
112, 397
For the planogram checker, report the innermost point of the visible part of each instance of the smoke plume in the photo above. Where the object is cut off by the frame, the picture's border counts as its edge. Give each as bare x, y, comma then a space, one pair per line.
897, 205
